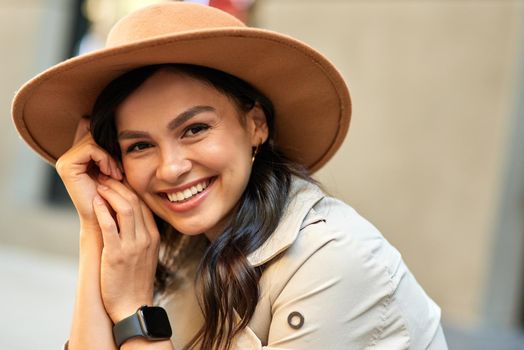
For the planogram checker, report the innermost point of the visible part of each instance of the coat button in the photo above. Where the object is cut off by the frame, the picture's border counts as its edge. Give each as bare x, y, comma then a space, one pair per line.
295, 320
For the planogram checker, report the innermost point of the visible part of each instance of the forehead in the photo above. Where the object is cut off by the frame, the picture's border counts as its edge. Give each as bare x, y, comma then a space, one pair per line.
169, 89
168, 93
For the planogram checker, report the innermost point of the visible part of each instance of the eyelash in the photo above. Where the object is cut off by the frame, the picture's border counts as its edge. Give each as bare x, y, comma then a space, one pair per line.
198, 127
137, 147
195, 129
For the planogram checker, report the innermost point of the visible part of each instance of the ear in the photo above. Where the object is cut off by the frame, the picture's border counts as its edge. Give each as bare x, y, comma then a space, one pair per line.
257, 125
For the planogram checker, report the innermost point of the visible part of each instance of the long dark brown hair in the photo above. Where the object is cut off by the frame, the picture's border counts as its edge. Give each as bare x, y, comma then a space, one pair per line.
227, 282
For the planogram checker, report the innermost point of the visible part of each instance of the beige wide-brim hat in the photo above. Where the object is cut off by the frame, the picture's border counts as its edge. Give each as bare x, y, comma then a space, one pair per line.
311, 99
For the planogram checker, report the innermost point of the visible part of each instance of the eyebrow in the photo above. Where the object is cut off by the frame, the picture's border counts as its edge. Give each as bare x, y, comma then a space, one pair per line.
173, 124
188, 114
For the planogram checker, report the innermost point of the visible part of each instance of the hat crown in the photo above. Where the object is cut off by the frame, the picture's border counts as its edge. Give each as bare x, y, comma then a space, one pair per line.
167, 19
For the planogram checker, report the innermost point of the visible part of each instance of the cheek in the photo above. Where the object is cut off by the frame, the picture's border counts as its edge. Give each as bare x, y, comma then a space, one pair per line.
227, 154
136, 176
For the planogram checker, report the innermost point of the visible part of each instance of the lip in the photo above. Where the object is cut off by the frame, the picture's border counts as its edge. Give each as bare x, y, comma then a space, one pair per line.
192, 202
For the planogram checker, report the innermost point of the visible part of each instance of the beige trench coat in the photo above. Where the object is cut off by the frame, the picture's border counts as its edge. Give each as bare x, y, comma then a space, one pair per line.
332, 282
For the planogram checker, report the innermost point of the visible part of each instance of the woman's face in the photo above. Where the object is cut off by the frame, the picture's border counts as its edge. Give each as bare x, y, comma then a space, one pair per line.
186, 150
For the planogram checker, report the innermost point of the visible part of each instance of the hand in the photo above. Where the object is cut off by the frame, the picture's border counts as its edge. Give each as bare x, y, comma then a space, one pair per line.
79, 167
130, 252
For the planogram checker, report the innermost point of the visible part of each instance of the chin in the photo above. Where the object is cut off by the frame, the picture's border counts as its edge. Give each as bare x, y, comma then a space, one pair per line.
188, 229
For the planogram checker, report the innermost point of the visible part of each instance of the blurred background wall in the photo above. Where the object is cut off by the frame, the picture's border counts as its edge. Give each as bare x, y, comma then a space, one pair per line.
434, 156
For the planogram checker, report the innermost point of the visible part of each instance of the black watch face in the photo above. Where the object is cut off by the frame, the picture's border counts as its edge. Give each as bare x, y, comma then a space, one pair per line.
156, 322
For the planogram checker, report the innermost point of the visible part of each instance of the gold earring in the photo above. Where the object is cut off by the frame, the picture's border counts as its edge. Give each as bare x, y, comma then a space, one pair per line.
254, 153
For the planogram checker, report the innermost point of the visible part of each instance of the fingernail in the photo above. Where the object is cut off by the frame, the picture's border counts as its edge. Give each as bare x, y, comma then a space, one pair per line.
98, 200
102, 187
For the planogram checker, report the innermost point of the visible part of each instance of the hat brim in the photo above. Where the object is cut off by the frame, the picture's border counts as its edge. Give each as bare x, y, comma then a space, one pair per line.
311, 99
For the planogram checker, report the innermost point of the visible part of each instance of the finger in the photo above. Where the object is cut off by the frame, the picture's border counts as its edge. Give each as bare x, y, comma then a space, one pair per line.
143, 235
117, 174
125, 212
150, 223
82, 129
114, 170
106, 222
106, 164
81, 157
149, 220
121, 168
112, 167
102, 159
87, 151
123, 189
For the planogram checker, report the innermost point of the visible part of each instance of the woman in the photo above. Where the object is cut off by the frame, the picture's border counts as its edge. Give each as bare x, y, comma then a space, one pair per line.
190, 194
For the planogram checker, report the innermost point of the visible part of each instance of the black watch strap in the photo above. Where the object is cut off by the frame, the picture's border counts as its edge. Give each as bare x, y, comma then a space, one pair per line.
150, 322
127, 328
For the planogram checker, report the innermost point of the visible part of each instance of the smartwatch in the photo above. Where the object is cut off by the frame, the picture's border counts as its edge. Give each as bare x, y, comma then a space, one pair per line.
150, 322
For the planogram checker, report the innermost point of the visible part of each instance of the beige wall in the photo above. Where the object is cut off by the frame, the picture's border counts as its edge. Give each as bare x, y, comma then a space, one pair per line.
33, 36
433, 85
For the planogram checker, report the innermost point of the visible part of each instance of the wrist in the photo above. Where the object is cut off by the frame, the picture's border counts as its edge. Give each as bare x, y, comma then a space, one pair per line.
89, 231
89, 225
118, 316
141, 343
123, 311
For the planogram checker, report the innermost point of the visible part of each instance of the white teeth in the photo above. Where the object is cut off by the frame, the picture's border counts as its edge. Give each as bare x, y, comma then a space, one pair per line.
188, 192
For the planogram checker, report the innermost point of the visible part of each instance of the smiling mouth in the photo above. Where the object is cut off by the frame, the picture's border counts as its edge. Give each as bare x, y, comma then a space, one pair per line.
188, 193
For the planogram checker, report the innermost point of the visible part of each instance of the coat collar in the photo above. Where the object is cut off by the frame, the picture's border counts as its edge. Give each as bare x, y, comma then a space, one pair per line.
302, 197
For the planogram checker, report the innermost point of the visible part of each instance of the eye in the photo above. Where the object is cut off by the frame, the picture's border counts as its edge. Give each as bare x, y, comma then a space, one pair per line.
195, 129
137, 147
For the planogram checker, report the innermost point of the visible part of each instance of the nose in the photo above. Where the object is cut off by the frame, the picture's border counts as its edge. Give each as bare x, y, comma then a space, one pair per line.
173, 164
